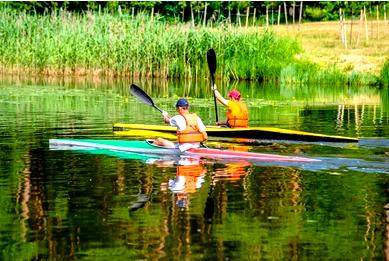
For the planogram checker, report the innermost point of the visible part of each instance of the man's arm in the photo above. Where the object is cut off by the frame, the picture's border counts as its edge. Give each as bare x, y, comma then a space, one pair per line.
202, 128
166, 117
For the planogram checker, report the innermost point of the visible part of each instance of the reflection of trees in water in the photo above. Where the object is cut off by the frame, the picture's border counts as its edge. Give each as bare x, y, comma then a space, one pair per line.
274, 194
271, 190
163, 229
84, 206
149, 231
37, 201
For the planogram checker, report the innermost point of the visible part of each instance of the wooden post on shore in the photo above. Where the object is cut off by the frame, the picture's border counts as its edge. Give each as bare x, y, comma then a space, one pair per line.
229, 16
359, 28
342, 36
341, 25
385, 22
267, 16
255, 11
205, 14
378, 22
192, 15
371, 23
152, 14
293, 10
238, 18
366, 30
183, 14
286, 14
301, 12
247, 16
279, 15
351, 28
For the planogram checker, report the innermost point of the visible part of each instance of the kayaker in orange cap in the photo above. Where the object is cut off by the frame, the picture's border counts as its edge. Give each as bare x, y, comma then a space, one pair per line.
190, 128
237, 113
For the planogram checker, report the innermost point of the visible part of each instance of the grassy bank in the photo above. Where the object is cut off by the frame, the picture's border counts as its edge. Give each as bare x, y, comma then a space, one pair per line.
142, 46
360, 62
385, 73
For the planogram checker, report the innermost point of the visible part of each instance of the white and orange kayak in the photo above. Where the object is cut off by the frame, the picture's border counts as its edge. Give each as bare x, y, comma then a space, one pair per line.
146, 147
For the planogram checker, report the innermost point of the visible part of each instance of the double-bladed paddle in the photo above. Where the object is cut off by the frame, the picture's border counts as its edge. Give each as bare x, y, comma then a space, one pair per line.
144, 97
211, 58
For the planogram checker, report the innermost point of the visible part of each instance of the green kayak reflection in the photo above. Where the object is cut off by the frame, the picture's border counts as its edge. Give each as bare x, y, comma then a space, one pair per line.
147, 147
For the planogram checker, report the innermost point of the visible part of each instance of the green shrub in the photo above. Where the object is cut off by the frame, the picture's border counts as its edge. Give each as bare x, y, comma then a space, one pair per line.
384, 75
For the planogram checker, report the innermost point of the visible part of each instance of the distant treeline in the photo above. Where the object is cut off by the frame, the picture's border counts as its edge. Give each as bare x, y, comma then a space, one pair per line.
217, 11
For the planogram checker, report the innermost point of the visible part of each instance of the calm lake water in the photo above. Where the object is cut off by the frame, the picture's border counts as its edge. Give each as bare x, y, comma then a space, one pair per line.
64, 204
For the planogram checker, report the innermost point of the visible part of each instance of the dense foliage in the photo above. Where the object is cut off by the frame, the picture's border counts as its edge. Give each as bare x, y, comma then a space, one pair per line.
216, 10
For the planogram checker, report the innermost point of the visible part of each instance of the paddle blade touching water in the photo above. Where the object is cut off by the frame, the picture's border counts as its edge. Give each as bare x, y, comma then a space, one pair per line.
144, 97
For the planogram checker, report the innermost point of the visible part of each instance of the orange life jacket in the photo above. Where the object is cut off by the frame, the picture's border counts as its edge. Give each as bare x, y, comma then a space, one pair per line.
191, 133
191, 174
190, 170
237, 115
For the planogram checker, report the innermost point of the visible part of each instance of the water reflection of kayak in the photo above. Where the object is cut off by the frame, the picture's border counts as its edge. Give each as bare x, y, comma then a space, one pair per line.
147, 148
260, 133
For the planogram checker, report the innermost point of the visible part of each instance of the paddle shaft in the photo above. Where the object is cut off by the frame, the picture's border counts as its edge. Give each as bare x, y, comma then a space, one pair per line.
214, 99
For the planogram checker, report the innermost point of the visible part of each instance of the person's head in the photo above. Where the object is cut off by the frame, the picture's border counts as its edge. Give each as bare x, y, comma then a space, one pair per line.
234, 95
182, 103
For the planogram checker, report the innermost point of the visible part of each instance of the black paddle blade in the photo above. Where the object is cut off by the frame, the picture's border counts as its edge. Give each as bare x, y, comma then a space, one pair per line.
144, 97
140, 94
211, 58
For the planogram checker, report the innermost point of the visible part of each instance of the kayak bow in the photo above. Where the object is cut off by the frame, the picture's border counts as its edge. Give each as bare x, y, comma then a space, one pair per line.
146, 147
262, 133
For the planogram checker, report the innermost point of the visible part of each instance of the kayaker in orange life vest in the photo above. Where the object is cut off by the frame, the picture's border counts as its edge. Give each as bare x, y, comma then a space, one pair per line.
190, 128
237, 113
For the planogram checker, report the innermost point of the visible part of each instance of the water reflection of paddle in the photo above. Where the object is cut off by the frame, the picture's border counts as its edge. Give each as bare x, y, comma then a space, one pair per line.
209, 206
230, 172
140, 202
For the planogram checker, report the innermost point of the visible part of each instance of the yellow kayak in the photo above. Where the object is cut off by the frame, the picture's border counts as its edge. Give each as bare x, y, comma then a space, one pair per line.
257, 133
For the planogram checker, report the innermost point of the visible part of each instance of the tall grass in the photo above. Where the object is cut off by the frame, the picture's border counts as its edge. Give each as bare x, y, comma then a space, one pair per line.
122, 45
68, 43
385, 73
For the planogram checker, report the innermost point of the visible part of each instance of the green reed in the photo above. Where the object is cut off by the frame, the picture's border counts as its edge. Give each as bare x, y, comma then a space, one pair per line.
121, 45
385, 73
